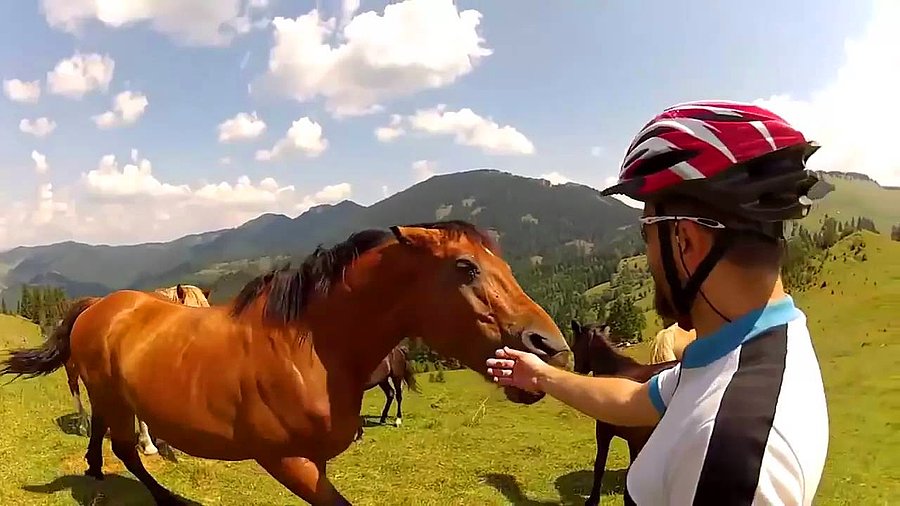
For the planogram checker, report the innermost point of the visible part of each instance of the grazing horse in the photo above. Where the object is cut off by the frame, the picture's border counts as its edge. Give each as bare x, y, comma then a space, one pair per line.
394, 368
670, 342
278, 375
595, 354
188, 295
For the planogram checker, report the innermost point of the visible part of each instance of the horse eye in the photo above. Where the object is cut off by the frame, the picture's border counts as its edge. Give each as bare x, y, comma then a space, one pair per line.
468, 269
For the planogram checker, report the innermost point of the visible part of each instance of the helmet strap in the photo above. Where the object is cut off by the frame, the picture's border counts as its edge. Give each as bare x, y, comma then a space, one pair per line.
683, 296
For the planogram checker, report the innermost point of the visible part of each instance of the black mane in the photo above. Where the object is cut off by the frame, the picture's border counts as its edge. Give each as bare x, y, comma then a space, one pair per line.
290, 289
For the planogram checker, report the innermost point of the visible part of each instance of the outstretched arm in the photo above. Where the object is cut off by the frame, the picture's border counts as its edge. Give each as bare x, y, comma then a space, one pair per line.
614, 400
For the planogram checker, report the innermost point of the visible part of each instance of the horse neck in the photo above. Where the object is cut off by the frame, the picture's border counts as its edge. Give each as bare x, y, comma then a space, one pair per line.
605, 359
359, 323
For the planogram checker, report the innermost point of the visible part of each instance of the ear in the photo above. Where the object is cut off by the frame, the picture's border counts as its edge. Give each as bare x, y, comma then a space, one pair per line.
206, 292
416, 236
179, 292
576, 327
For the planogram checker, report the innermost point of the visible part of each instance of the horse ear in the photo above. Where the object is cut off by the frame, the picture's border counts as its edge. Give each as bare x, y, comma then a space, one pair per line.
179, 292
576, 327
206, 292
415, 236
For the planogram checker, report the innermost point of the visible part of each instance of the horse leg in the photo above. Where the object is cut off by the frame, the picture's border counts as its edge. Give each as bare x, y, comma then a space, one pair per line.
145, 441
94, 455
72, 376
398, 388
389, 395
359, 431
603, 433
305, 479
124, 446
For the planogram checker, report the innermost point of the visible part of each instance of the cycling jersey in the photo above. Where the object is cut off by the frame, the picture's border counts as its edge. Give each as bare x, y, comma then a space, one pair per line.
744, 418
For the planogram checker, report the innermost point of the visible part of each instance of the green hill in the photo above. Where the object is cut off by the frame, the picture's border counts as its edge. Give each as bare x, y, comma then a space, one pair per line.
856, 195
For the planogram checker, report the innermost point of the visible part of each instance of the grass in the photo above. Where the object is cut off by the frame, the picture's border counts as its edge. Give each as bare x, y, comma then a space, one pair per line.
852, 198
462, 443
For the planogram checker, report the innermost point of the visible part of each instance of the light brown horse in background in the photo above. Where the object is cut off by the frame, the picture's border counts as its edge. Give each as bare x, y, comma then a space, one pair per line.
396, 369
279, 375
670, 342
188, 295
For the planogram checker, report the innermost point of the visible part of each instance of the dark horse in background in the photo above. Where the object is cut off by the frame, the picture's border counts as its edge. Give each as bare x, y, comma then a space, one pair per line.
394, 368
595, 354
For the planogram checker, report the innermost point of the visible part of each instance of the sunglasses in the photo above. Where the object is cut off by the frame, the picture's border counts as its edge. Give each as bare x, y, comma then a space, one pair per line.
650, 220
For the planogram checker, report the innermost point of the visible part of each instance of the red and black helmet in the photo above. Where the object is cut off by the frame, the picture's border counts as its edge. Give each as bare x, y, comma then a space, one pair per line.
739, 157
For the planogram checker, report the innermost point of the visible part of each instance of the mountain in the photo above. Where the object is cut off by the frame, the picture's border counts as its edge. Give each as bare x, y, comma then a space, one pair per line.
531, 216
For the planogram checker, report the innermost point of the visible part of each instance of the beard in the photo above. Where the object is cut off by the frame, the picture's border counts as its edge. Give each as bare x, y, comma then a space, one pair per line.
663, 304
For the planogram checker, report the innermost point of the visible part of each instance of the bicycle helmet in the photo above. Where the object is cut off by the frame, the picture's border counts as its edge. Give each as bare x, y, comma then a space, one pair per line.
739, 158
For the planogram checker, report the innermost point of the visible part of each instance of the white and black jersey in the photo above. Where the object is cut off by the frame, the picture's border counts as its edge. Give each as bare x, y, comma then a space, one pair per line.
744, 419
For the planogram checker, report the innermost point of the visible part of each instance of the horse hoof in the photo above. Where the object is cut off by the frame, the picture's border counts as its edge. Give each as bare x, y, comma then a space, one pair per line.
95, 474
150, 450
398, 422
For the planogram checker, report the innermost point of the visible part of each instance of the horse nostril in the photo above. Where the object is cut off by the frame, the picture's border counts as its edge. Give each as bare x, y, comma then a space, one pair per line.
538, 344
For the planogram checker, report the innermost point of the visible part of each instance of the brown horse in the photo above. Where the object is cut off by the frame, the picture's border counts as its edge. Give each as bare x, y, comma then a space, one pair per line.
394, 368
278, 376
188, 295
595, 354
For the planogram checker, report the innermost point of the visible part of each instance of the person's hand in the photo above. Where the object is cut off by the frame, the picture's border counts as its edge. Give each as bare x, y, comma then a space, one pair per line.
516, 368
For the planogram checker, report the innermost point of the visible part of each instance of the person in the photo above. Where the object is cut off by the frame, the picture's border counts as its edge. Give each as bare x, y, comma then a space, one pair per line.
742, 419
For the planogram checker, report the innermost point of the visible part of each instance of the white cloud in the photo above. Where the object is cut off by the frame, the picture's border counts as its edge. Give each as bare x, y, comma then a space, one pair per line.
242, 126
392, 131
556, 178
40, 162
117, 204
423, 169
40, 127
47, 207
22, 91
81, 74
854, 116
132, 180
128, 107
225, 160
467, 128
597, 151
414, 45
190, 22
304, 136
330, 194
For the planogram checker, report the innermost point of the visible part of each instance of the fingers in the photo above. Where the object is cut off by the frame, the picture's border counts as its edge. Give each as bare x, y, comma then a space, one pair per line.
499, 372
499, 362
507, 382
507, 352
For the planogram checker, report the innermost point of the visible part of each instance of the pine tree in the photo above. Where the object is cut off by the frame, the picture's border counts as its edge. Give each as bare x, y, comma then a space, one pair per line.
3, 309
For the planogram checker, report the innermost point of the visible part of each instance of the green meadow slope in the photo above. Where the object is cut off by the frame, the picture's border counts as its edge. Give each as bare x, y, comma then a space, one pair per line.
462, 443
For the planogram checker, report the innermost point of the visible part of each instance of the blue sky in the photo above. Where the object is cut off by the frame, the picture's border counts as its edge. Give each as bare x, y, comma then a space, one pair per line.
535, 88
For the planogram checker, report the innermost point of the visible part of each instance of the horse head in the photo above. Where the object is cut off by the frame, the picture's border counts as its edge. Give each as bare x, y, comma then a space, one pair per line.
464, 301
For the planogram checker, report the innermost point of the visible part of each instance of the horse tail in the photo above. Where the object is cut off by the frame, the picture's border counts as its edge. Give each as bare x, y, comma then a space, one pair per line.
408, 376
52, 353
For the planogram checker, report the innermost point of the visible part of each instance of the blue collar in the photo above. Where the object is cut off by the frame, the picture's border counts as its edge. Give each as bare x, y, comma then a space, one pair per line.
706, 350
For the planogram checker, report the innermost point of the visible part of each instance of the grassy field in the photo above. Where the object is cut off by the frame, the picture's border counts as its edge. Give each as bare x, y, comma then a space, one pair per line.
462, 443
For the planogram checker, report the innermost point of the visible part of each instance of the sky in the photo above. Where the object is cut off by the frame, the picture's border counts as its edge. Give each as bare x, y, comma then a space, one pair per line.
127, 122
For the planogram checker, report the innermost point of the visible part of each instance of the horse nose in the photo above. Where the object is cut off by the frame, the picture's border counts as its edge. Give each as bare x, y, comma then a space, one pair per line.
539, 345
